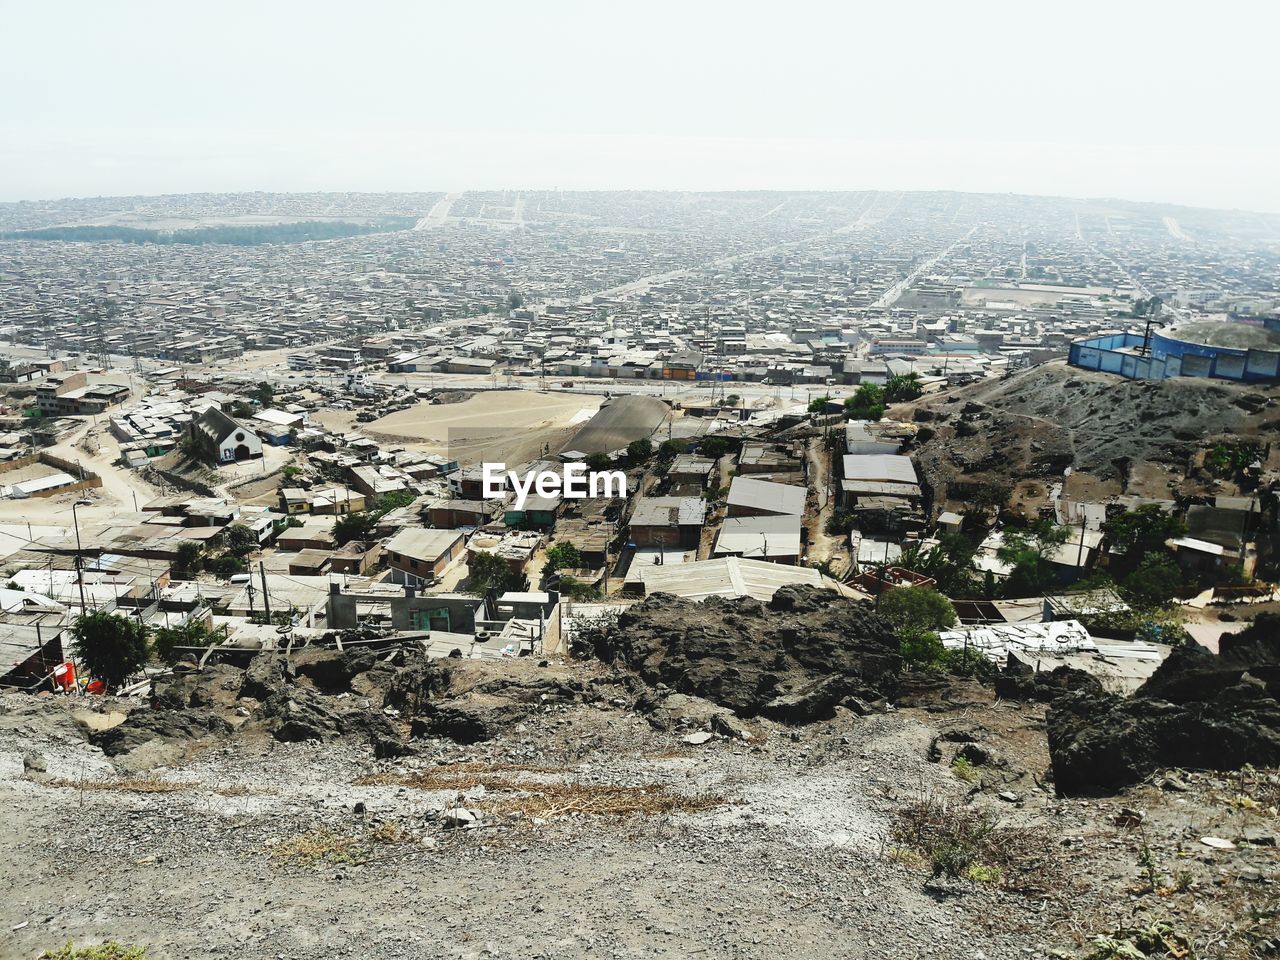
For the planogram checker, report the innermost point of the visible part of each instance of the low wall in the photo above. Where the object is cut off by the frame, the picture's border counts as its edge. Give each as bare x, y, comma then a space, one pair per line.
89, 480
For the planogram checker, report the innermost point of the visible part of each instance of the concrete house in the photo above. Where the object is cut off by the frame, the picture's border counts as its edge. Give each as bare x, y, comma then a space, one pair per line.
418, 556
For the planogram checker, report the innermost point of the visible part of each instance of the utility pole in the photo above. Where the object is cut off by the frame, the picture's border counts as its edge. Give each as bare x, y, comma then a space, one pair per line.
266, 595
75, 519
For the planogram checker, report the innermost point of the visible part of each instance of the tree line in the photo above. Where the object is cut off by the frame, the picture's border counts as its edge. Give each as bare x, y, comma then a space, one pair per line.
234, 235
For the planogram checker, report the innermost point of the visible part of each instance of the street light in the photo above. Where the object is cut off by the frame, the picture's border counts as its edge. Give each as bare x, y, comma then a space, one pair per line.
75, 519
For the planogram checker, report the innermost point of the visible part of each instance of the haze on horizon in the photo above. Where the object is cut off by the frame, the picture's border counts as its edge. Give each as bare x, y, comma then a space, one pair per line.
1165, 103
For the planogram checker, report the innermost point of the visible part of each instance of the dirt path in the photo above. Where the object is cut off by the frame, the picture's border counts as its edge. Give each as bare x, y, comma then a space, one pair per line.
823, 501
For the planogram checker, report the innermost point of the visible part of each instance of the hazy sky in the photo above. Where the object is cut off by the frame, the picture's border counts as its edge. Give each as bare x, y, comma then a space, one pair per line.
1165, 101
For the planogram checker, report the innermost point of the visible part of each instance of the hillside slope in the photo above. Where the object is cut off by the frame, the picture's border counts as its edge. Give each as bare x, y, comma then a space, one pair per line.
1126, 436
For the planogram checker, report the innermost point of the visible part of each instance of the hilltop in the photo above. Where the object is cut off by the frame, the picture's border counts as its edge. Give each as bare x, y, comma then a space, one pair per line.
1118, 436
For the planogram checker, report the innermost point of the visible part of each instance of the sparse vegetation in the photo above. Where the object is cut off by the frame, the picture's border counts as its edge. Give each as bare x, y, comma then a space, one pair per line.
962, 842
965, 770
103, 951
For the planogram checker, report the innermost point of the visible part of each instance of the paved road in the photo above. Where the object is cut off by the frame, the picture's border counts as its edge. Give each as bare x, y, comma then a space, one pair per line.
439, 214
890, 296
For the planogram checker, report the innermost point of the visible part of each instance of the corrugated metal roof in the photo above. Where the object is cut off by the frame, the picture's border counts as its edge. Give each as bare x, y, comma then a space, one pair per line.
766, 495
725, 577
880, 467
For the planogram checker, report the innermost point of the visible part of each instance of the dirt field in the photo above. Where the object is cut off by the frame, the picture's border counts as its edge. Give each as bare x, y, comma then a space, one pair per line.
508, 425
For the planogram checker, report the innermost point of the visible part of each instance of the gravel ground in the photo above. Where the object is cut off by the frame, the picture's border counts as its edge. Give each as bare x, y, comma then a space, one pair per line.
258, 849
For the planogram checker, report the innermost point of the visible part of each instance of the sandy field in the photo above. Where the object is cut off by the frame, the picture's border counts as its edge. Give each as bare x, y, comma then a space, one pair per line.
1031, 293
508, 425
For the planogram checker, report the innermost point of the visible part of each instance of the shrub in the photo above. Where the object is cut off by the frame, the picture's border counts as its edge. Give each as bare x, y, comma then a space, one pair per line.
921, 649
965, 770
192, 633
916, 609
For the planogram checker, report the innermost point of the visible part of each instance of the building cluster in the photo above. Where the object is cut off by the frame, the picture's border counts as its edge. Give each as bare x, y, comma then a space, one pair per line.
238, 379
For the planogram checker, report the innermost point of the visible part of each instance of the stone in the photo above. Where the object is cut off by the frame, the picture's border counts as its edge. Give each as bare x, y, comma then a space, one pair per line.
456, 817
696, 739
729, 726
1259, 837
1217, 843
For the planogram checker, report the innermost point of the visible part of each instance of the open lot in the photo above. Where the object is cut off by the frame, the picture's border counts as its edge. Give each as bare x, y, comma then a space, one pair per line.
509, 425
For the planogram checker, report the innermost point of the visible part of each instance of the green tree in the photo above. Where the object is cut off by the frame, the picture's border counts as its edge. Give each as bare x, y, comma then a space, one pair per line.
263, 393
241, 540
112, 647
354, 526
638, 451
1027, 551
916, 609
732, 400
1136, 534
867, 403
190, 633
818, 404
1154, 582
514, 300
189, 560
393, 501
227, 565
668, 450
598, 461
715, 447
563, 556
901, 388
949, 563
921, 648
488, 571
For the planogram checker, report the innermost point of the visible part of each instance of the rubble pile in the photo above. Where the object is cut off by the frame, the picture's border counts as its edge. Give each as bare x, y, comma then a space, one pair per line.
1197, 711
385, 697
793, 659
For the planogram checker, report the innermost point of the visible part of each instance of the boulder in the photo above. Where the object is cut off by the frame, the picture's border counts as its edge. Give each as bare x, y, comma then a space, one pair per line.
794, 658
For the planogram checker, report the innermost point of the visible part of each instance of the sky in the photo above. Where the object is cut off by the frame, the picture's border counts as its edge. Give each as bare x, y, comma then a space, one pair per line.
1165, 101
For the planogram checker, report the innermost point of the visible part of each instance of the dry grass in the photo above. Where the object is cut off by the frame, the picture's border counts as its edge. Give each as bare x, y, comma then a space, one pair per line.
102, 951
151, 785
960, 841
325, 845
547, 800
455, 776
509, 794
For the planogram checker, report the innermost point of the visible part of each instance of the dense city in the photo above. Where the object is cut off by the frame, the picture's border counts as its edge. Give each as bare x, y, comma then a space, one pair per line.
878, 533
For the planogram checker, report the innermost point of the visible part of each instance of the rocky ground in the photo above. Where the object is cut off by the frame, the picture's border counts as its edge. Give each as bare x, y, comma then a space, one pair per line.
377, 805
1119, 436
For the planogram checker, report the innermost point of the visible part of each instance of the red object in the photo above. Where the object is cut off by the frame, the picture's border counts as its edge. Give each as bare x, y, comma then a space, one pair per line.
96, 686
64, 675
